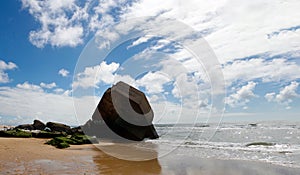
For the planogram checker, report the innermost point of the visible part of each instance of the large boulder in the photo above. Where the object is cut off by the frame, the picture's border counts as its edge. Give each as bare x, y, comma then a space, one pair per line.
123, 111
59, 127
38, 125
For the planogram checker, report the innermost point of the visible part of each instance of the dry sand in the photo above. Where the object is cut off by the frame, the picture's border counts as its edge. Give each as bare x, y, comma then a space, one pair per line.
32, 156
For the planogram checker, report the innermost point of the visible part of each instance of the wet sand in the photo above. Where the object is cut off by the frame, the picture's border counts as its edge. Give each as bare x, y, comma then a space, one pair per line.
32, 156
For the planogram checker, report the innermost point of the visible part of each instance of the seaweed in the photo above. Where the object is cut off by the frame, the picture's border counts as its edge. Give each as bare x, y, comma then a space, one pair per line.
66, 141
15, 133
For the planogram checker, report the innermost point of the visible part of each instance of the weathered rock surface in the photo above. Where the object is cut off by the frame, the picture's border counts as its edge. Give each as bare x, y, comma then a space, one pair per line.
38, 125
77, 130
59, 127
123, 111
26, 127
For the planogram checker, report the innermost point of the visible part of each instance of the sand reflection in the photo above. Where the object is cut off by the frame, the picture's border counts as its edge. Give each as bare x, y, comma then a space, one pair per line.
110, 165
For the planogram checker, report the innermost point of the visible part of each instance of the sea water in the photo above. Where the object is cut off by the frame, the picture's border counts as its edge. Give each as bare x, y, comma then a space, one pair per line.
228, 141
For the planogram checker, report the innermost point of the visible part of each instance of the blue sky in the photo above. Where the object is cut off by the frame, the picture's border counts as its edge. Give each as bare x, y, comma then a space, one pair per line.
57, 55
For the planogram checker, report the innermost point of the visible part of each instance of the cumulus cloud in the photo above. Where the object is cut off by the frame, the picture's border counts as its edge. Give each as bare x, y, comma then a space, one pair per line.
4, 78
28, 86
242, 96
48, 86
60, 22
153, 81
285, 96
270, 96
63, 72
92, 76
66, 36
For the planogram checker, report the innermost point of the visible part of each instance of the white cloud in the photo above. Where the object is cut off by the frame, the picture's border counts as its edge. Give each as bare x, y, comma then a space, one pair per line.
153, 81
242, 96
272, 70
4, 78
60, 22
58, 90
7, 66
270, 96
63, 72
139, 41
248, 29
30, 87
67, 36
233, 30
91, 76
26, 102
48, 86
286, 94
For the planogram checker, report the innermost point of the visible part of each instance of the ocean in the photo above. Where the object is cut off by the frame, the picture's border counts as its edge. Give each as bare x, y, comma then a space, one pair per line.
273, 142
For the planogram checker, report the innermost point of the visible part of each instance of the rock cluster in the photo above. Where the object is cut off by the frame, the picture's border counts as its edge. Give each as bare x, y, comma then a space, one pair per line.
122, 113
50, 127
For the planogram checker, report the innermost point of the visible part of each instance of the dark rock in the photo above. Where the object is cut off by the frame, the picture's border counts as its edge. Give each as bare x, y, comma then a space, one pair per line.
25, 127
38, 125
253, 124
77, 130
59, 127
123, 111
260, 144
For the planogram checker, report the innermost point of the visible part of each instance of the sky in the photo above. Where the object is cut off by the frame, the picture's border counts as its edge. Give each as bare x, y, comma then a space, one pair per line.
196, 61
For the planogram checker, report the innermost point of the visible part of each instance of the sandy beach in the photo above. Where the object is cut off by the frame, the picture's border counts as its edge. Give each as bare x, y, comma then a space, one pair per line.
32, 156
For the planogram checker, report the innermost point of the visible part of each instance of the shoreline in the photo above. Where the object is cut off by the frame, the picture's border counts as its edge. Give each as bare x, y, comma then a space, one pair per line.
32, 156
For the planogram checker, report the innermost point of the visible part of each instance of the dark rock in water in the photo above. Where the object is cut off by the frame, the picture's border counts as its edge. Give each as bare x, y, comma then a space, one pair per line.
59, 127
253, 124
38, 125
260, 144
25, 127
123, 111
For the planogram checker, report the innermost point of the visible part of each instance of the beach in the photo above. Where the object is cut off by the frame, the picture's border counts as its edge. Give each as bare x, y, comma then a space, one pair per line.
32, 156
